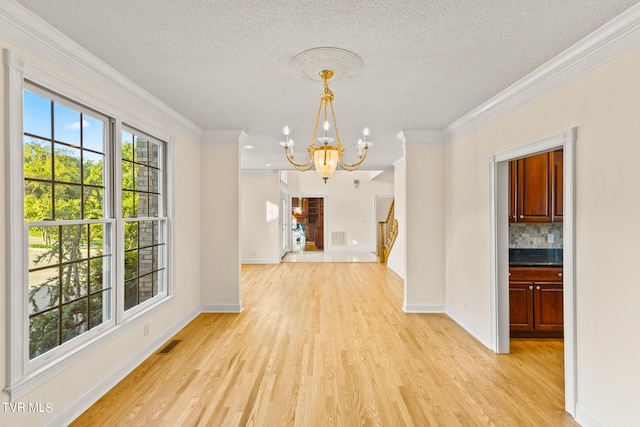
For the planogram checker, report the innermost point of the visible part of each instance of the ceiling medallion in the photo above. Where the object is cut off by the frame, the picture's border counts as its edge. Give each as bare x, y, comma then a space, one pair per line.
323, 155
308, 65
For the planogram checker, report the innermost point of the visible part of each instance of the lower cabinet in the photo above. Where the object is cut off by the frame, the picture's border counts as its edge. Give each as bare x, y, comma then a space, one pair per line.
536, 302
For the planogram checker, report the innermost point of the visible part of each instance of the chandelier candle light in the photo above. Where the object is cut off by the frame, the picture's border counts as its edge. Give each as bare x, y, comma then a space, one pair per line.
322, 154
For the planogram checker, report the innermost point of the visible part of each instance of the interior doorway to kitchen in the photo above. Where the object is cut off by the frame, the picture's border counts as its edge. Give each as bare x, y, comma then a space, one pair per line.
307, 224
500, 328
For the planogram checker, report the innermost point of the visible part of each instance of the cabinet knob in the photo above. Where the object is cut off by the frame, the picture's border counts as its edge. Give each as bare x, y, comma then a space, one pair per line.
521, 216
531, 287
537, 288
559, 274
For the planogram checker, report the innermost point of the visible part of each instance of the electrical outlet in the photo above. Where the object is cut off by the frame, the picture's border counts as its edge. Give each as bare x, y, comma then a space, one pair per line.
550, 238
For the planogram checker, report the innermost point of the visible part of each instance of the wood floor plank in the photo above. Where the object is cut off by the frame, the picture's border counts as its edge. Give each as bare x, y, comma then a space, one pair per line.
327, 344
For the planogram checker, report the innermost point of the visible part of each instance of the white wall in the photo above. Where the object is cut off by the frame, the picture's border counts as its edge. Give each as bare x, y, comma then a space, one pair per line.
260, 217
383, 204
220, 222
347, 208
425, 225
397, 259
604, 105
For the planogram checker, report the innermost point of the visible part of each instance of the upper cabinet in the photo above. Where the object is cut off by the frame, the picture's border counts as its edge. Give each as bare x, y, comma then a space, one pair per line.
535, 190
556, 181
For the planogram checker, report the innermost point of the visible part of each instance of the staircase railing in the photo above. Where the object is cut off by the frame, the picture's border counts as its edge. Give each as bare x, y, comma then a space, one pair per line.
387, 233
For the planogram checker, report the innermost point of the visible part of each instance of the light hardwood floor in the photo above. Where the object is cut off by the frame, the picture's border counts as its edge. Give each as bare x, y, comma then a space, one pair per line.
327, 344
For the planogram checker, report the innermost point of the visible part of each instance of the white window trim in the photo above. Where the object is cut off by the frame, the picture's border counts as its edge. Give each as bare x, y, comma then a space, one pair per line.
22, 375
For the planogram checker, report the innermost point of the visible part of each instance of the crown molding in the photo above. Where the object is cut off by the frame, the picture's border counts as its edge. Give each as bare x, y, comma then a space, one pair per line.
37, 38
422, 137
223, 137
614, 38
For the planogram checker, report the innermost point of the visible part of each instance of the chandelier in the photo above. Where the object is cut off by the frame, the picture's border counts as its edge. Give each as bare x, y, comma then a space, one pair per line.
323, 154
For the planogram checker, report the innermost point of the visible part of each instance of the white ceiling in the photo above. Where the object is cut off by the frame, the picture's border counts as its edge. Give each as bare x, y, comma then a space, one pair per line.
224, 64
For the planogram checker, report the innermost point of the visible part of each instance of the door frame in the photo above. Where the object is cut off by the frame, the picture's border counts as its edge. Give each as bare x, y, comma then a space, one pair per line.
285, 224
499, 250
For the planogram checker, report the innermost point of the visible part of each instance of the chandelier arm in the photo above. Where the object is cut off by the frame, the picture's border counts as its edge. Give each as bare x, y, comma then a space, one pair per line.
303, 169
298, 166
353, 166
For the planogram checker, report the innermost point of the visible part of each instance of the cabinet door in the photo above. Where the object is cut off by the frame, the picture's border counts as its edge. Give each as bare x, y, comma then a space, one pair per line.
534, 188
557, 183
548, 308
521, 306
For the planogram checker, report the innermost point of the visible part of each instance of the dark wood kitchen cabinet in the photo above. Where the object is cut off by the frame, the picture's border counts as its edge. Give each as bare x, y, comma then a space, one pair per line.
536, 302
557, 176
535, 188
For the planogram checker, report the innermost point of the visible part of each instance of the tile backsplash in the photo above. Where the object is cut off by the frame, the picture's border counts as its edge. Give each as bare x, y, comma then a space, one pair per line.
535, 235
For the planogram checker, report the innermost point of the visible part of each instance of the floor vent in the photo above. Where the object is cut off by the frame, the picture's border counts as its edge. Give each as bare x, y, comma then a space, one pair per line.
339, 238
170, 346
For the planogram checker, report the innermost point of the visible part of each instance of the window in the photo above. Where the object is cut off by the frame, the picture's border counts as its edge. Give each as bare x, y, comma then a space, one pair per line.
93, 200
89, 239
143, 223
67, 220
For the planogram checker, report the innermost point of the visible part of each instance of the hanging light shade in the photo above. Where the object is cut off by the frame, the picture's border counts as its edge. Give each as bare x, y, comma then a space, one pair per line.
323, 155
325, 159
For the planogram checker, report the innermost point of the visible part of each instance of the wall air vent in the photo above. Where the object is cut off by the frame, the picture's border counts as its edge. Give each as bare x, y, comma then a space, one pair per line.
339, 238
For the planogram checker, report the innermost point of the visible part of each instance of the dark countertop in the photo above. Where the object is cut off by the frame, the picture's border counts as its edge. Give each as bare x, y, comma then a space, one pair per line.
535, 257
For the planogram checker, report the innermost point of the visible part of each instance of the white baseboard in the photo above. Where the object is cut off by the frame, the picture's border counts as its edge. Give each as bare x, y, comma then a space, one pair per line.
73, 411
423, 308
260, 261
470, 327
348, 250
586, 418
396, 269
221, 308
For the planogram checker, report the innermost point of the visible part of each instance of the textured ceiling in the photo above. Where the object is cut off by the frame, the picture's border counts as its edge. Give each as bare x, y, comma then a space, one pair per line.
225, 64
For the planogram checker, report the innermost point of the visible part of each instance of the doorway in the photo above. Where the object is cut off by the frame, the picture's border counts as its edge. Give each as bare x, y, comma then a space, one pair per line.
307, 224
285, 224
499, 176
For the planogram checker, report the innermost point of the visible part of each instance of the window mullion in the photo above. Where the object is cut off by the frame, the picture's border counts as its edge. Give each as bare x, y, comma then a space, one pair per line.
115, 147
